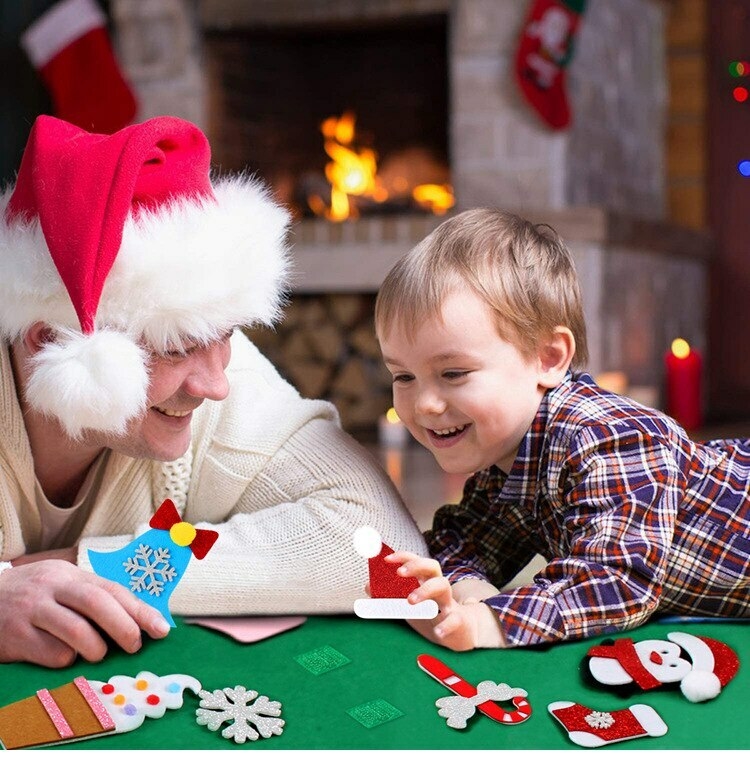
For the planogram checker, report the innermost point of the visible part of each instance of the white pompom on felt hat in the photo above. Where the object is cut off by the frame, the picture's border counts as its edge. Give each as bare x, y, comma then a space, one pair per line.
119, 241
714, 665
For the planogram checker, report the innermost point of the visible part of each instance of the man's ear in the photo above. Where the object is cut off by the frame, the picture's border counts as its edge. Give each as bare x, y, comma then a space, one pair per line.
555, 355
37, 336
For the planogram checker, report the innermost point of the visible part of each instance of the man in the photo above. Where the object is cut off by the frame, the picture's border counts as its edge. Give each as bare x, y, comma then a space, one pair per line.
124, 381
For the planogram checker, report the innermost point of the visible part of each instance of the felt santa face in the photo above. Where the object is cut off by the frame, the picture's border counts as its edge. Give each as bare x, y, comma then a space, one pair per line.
651, 663
661, 659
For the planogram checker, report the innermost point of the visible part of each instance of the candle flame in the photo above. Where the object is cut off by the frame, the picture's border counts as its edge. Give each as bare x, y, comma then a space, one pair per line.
392, 416
680, 348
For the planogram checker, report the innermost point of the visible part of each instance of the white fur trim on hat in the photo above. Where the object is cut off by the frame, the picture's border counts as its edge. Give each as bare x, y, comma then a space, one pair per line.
189, 271
94, 382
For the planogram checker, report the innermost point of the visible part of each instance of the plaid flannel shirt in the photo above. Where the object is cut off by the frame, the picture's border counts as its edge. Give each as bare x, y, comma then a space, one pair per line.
632, 516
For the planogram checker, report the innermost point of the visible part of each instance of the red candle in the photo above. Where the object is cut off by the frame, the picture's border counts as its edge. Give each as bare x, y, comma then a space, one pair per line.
684, 366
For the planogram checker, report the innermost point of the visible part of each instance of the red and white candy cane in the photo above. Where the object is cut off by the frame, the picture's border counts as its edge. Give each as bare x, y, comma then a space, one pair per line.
451, 680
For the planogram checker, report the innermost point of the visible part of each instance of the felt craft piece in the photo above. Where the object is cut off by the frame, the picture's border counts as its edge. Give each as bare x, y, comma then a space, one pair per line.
388, 590
594, 728
458, 709
154, 562
249, 715
651, 663
85, 708
249, 630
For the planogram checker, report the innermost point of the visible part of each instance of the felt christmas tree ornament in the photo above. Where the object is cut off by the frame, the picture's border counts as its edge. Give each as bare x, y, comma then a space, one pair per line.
544, 51
70, 48
122, 245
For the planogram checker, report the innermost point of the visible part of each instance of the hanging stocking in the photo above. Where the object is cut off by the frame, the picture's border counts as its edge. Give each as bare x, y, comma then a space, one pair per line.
70, 48
545, 49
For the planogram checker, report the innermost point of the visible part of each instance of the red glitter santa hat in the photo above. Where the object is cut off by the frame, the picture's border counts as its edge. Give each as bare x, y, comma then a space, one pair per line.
120, 242
388, 590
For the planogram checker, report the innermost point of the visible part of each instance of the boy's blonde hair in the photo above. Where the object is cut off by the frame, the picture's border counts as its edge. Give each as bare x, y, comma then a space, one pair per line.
523, 271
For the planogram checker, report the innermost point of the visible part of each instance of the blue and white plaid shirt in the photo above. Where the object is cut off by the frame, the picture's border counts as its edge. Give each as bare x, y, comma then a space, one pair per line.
632, 516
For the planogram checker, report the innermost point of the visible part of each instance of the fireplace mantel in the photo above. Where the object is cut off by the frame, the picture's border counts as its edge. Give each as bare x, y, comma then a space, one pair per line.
356, 255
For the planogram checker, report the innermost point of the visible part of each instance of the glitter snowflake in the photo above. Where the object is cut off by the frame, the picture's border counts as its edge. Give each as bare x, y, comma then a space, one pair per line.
236, 704
600, 719
150, 569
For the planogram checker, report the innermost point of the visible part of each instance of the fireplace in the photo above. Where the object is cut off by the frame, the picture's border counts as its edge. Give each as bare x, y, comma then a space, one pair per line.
365, 103
433, 79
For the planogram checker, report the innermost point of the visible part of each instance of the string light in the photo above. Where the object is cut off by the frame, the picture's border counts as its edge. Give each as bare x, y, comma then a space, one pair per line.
740, 94
744, 167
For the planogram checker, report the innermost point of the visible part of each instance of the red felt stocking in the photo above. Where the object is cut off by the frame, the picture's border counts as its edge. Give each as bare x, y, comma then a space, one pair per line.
545, 49
591, 728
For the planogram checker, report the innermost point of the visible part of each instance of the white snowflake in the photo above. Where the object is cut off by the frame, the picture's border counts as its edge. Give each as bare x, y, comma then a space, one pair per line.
150, 569
234, 704
598, 719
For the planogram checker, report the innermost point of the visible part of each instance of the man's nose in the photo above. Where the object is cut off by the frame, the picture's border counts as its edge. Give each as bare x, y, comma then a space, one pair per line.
207, 378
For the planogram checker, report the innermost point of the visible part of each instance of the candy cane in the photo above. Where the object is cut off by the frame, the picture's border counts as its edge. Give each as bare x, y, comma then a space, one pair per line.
480, 697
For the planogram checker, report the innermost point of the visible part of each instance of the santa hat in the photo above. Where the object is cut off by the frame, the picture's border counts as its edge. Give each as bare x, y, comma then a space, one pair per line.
714, 665
388, 590
120, 242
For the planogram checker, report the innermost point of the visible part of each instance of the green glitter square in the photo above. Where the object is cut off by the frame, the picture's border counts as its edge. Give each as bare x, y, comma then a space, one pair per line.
377, 712
322, 660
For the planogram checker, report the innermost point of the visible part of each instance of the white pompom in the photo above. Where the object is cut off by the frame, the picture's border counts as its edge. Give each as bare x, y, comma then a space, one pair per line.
367, 542
96, 381
700, 685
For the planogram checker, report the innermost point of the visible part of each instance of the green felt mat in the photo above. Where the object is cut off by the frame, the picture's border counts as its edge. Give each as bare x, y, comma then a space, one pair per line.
347, 683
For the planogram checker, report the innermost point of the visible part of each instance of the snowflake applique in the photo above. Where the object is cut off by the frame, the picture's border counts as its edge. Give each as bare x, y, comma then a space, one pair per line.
150, 569
236, 704
601, 720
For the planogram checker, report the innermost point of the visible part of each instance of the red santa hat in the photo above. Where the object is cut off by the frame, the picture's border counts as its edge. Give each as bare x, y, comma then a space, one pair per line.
122, 242
714, 665
388, 590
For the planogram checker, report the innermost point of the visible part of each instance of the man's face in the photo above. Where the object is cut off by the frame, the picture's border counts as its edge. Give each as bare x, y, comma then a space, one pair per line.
179, 383
463, 392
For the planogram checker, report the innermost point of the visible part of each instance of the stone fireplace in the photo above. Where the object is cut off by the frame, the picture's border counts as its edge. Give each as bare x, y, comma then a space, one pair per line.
600, 183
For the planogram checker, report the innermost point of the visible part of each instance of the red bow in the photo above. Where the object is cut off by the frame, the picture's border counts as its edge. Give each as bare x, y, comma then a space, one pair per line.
166, 516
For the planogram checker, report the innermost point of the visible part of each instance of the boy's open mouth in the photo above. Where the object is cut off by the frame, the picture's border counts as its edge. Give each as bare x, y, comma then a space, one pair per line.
447, 434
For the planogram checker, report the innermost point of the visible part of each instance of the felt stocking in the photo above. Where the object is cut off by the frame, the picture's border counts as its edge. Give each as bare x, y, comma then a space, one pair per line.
591, 728
545, 49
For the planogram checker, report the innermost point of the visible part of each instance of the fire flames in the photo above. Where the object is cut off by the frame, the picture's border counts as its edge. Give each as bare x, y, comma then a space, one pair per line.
355, 183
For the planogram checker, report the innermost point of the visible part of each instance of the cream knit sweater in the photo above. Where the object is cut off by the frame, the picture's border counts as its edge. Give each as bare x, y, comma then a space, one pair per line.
273, 473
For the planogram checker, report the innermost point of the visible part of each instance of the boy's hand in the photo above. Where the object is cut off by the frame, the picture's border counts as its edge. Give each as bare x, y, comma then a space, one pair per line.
51, 611
458, 626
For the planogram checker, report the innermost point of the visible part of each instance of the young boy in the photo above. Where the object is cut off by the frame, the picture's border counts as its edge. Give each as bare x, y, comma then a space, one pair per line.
481, 326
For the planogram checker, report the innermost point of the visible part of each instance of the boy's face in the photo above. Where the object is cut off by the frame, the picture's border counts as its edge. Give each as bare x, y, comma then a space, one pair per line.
463, 392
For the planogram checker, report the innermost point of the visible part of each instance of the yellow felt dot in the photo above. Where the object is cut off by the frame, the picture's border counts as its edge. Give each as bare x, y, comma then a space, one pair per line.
140, 684
119, 699
182, 533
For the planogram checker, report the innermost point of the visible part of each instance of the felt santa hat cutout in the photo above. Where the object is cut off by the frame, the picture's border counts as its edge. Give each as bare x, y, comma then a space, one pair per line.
388, 590
121, 241
69, 46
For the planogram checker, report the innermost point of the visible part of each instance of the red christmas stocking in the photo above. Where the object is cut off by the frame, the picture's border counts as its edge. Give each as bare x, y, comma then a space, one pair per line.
590, 728
69, 46
545, 49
